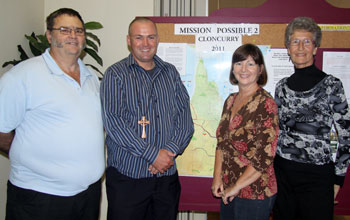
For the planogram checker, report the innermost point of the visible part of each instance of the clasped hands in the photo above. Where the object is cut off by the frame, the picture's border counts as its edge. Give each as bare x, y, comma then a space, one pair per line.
163, 162
226, 195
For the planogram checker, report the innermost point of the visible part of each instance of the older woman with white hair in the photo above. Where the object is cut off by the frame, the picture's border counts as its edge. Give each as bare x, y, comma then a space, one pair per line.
309, 103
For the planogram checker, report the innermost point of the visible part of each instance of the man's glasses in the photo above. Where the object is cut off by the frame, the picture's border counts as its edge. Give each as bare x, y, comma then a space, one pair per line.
305, 42
68, 30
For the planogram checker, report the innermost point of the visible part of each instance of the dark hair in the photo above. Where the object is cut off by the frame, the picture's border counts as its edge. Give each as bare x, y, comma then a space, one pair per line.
142, 19
242, 53
50, 20
303, 24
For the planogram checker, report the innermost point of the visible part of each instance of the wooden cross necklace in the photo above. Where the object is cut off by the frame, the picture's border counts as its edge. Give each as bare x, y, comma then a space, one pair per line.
143, 122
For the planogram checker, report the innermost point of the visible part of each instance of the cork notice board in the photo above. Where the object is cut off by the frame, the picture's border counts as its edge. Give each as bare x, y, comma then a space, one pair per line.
270, 34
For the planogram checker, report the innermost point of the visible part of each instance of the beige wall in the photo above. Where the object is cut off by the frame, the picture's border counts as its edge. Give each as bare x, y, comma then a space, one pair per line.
18, 17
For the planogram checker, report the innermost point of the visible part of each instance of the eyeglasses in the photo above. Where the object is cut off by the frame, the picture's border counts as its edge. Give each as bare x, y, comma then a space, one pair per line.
68, 30
305, 42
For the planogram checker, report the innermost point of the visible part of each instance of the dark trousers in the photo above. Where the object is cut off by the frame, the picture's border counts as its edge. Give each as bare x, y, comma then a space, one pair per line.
305, 191
147, 198
24, 204
247, 209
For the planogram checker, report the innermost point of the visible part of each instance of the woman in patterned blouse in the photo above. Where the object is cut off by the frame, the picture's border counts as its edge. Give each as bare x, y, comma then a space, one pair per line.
309, 103
246, 142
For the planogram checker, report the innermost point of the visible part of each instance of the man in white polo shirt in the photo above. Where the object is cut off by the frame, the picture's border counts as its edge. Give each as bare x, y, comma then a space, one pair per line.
51, 126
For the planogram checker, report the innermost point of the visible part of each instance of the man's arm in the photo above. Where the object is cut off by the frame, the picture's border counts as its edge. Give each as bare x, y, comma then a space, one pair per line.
183, 124
183, 130
6, 141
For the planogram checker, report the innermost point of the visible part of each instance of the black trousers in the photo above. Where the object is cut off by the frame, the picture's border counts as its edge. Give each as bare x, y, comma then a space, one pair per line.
305, 191
147, 198
24, 204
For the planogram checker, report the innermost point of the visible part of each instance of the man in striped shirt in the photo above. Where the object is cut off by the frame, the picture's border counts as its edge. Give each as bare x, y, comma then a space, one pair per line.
147, 118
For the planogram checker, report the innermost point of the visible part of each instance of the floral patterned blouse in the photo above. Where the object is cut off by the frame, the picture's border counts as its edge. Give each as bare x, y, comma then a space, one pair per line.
250, 138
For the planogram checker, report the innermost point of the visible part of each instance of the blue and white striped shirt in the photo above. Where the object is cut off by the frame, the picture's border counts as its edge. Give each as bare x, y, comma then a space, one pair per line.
128, 92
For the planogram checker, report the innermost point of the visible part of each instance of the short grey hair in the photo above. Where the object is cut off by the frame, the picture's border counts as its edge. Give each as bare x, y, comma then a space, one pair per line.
303, 24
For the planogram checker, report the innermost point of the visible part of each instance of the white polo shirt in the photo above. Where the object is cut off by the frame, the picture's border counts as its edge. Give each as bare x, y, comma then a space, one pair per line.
59, 143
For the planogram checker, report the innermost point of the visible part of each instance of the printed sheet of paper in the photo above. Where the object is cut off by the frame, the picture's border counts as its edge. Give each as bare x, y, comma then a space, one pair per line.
278, 66
174, 53
338, 64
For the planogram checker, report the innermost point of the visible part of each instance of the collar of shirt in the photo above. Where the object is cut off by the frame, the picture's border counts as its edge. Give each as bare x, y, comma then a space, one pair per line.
159, 63
55, 69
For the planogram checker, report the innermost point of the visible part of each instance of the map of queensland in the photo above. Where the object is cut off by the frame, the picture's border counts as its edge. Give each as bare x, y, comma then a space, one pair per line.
207, 82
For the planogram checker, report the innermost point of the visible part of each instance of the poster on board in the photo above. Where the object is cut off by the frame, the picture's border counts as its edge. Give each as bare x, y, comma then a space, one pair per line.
205, 75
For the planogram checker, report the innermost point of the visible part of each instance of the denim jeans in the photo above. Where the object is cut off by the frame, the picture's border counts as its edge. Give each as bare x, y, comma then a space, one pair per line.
247, 209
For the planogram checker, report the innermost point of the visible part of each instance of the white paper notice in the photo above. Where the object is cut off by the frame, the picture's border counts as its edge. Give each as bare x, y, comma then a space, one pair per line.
217, 37
278, 66
193, 29
218, 43
174, 53
338, 64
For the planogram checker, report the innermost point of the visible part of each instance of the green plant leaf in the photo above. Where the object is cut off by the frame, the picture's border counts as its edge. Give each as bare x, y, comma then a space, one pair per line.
22, 54
94, 37
38, 45
13, 62
95, 68
94, 55
43, 40
93, 25
33, 49
33, 35
92, 44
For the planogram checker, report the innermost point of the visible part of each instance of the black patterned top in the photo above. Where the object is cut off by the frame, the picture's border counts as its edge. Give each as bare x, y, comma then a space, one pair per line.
306, 118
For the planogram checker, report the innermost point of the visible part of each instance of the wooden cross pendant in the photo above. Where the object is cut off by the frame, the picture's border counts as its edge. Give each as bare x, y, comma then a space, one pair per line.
143, 122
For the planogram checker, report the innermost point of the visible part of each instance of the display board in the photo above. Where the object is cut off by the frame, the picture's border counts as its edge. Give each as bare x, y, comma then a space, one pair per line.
196, 191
